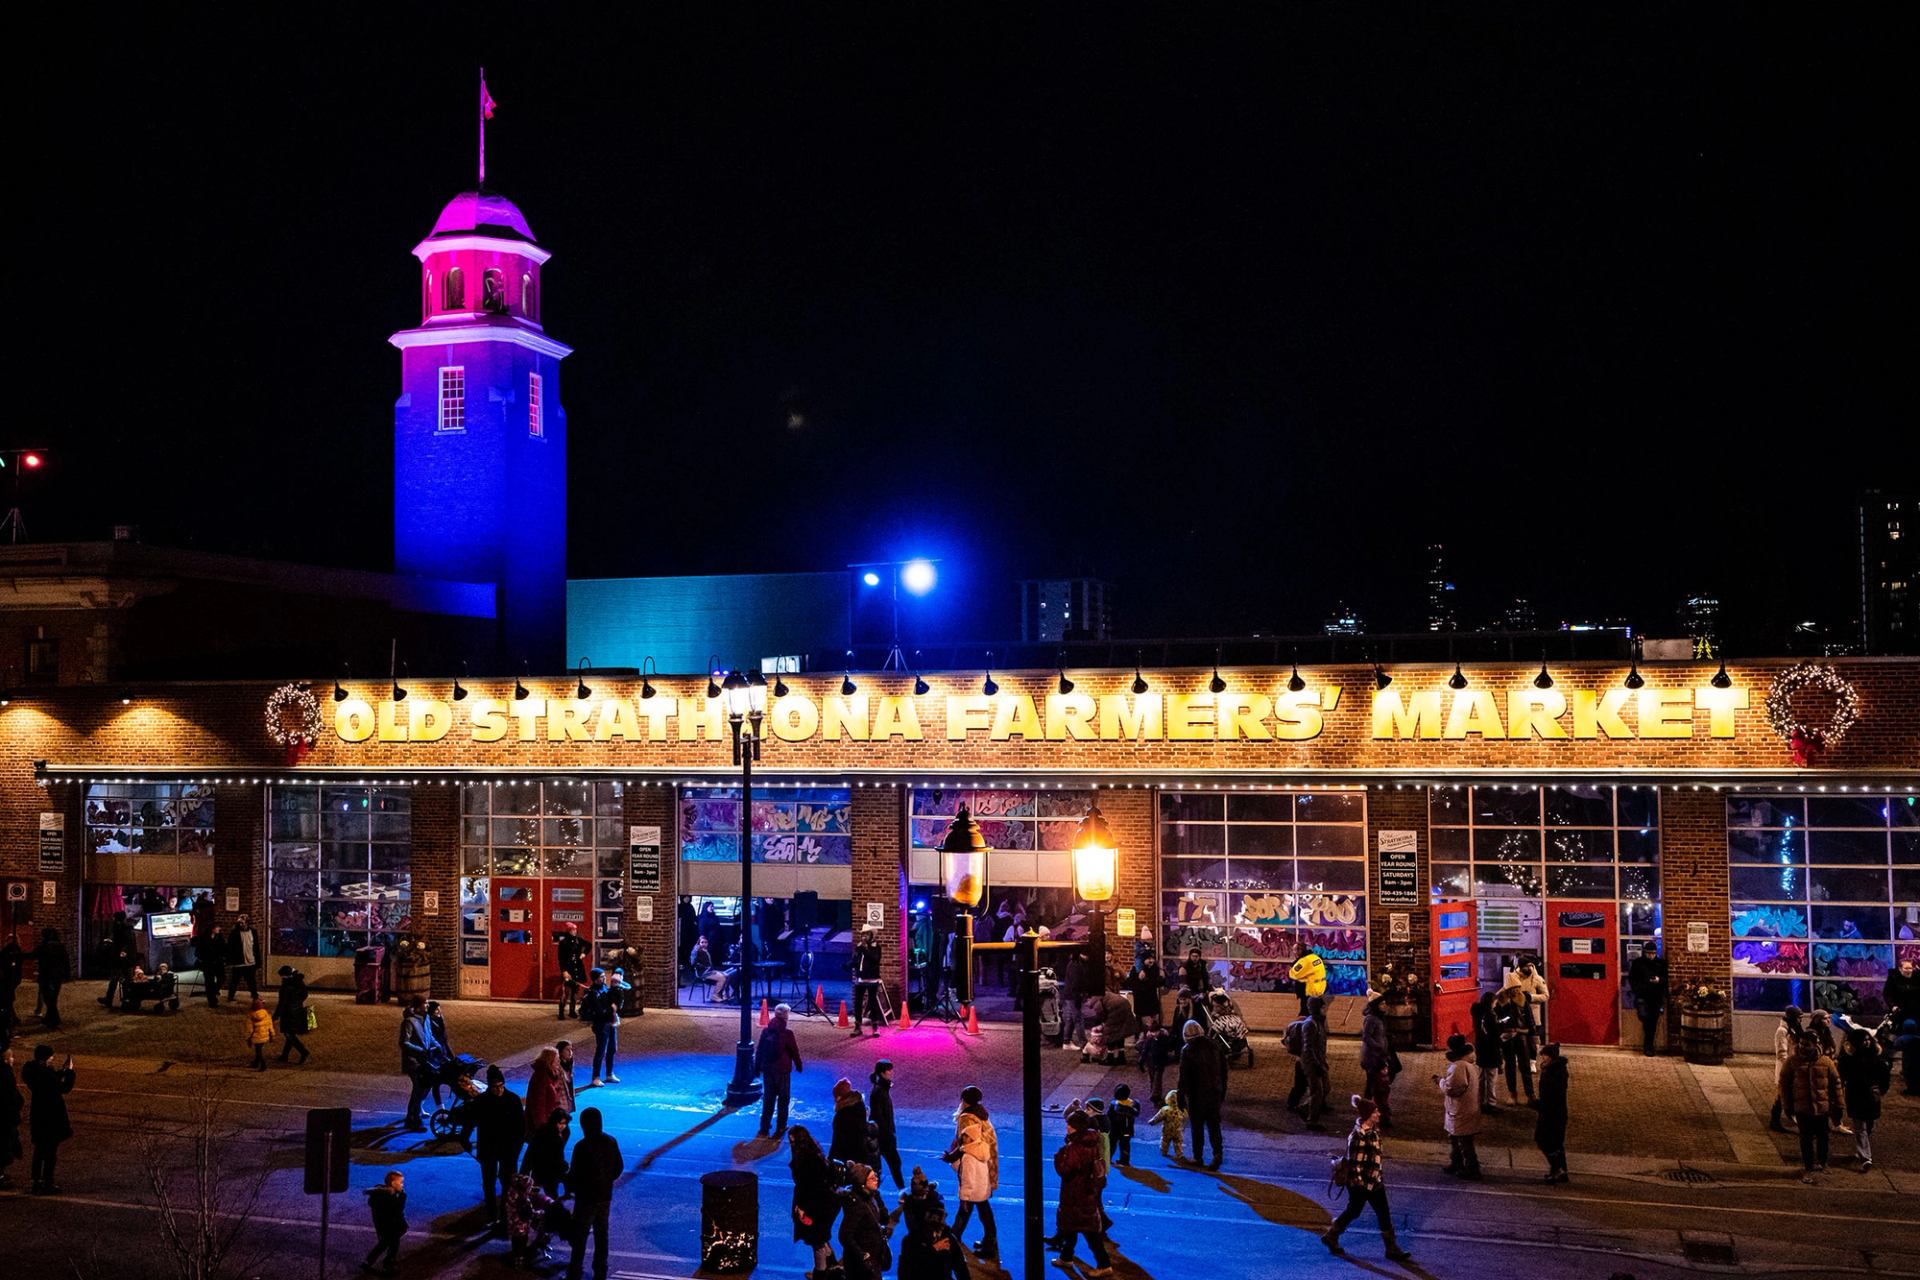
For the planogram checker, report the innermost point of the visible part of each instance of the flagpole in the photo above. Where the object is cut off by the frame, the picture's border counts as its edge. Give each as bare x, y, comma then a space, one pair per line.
483, 126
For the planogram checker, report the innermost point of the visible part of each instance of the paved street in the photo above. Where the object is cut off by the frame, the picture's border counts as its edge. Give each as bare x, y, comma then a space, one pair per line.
1674, 1172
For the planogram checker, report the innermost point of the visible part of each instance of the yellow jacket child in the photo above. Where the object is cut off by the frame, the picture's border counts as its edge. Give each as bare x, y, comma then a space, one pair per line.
259, 1031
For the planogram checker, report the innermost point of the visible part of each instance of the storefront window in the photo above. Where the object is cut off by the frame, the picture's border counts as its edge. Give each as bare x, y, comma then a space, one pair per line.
804, 826
339, 868
542, 831
1825, 897
1512, 848
1255, 879
164, 818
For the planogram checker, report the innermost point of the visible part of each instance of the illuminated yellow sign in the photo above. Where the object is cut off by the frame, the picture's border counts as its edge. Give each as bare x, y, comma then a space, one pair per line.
1520, 714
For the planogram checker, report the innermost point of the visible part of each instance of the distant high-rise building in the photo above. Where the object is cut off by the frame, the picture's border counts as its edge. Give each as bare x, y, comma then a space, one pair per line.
1519, 616
1699, 618
1889, 567
1439, 592
1064, 609
1345, 621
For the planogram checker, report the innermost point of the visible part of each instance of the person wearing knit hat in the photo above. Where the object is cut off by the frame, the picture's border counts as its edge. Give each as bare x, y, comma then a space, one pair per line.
1202, 1087
851, 1138
886, 1142
775, 1059
1550, 1129
1366, 1185
499, 1130
1080, 1166
863, 1225
975, 1155
1460, 1095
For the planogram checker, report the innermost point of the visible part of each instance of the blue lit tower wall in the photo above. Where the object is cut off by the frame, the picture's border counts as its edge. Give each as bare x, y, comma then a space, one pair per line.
480, 439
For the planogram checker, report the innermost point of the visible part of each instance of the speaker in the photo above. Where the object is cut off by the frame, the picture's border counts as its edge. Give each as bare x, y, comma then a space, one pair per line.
805, 910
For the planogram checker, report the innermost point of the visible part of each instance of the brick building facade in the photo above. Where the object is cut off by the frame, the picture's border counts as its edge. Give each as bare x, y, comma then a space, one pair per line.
1251, 880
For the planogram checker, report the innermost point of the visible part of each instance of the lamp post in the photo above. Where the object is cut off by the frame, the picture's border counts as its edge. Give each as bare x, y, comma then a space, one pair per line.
1096, 867
1035, 1195
963, 872
746, 698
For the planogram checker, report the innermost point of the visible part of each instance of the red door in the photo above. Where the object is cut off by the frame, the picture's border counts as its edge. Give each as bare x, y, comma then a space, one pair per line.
564, 902
1455, 959
1583, 973
515, 924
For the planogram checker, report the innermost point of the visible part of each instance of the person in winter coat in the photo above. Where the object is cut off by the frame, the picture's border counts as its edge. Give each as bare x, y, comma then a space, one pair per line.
864, 1251
1550, 1127
815, 1199
499, 1128
1312, 1075
1906, 1039
546, 1158
259, 1032
1460, 1095
1172, 1120
975, 1155
865, 967
1902, 993
544, 1092
12, 965
880, 1110
387, 1205
1486, 1048
1157, 1053
1865, 1074
571, 950
1194, 974
1366, 1185
1810, 1085
775, 1059
1202, 1090
1647, 979
53, 967
564, 1048
1786, 1039
47, 1122
1534, 982
12, 1104
1081, 1173
437, 1020
526, 1205
1110, 1023
209, 952
120, 955
1511, 1015
290, 1012
594, 1168
243, 958
1376, 1061
601, 1008
1122, 1115
420, 1052
851, 1138
933, 1252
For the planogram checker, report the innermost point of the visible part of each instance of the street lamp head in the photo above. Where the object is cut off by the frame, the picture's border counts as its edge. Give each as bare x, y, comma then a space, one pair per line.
1096, 857
963, 861
756, 694
739, 697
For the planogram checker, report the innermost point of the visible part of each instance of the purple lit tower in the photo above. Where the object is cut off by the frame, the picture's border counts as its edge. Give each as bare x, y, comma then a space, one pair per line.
480, 439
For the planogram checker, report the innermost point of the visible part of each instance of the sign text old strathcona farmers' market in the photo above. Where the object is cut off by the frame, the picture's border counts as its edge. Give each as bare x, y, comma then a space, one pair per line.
1283, 716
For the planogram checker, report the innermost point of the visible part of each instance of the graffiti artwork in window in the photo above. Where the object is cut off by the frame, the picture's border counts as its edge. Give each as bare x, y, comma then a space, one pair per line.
796, 826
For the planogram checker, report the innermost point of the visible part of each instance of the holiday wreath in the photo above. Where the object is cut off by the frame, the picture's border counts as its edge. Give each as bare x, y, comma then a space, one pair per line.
1805, 738
293, 718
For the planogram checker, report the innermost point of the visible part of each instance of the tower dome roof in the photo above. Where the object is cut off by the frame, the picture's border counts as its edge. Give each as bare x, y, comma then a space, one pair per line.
481, 212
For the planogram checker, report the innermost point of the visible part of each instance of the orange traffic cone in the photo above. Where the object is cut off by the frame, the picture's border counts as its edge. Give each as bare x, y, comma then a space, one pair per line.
973, 1022
906, 1022
843, 1014
765, 1017
820, 998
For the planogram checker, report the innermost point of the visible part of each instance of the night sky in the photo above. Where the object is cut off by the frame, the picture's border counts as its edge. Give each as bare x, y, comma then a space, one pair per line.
1236, 307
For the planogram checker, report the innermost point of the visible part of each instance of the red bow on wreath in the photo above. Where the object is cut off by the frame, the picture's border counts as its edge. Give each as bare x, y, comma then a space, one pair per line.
1804, 747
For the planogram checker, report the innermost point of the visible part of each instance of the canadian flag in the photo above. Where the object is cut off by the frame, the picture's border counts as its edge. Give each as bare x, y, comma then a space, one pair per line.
486, 101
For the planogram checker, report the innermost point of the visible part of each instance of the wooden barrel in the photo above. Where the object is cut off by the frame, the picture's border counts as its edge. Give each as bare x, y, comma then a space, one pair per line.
1706, 1035
412, 980
1400, 1020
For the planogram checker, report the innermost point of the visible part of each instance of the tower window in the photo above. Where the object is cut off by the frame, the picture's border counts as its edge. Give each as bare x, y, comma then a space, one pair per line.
453, 397
426, 298
493, 291
536, 422
526, 296
456, 294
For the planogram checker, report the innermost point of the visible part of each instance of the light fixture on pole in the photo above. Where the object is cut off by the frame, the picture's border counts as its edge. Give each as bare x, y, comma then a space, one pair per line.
746, 704
648, 668
963, 873
920, 686
1721, 680
1065, 685
780, 689
1458, 680
1096, 869
1545, 679
1139, 681
1380, 677
1634, 679
581, 689
988, 686
847, 687
1294, 683
339, 690
713, 682
1216, 685
460, 690
399, 692
520, 692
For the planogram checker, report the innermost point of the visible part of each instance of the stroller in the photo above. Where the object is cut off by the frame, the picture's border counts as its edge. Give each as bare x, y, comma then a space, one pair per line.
457, 1073
1229, 1027
160, 988
1049, 987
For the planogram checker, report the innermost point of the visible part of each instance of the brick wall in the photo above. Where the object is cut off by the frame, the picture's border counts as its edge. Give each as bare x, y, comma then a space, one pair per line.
1130, 812
1396, 809
436, 867
240, 855
880, 875
1693, 886
657, 938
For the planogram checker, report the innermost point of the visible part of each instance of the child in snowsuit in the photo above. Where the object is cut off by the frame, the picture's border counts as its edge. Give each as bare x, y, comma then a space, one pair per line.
1173, 1122
1121, 1117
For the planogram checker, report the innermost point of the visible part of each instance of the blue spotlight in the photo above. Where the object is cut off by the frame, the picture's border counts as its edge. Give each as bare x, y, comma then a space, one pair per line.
871, 578
917, 576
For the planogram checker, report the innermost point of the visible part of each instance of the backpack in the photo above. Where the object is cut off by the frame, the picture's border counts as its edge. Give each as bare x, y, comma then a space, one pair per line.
1295, 1039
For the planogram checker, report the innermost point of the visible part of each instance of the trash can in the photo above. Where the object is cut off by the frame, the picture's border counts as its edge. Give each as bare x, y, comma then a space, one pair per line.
369, 968
729, 1220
